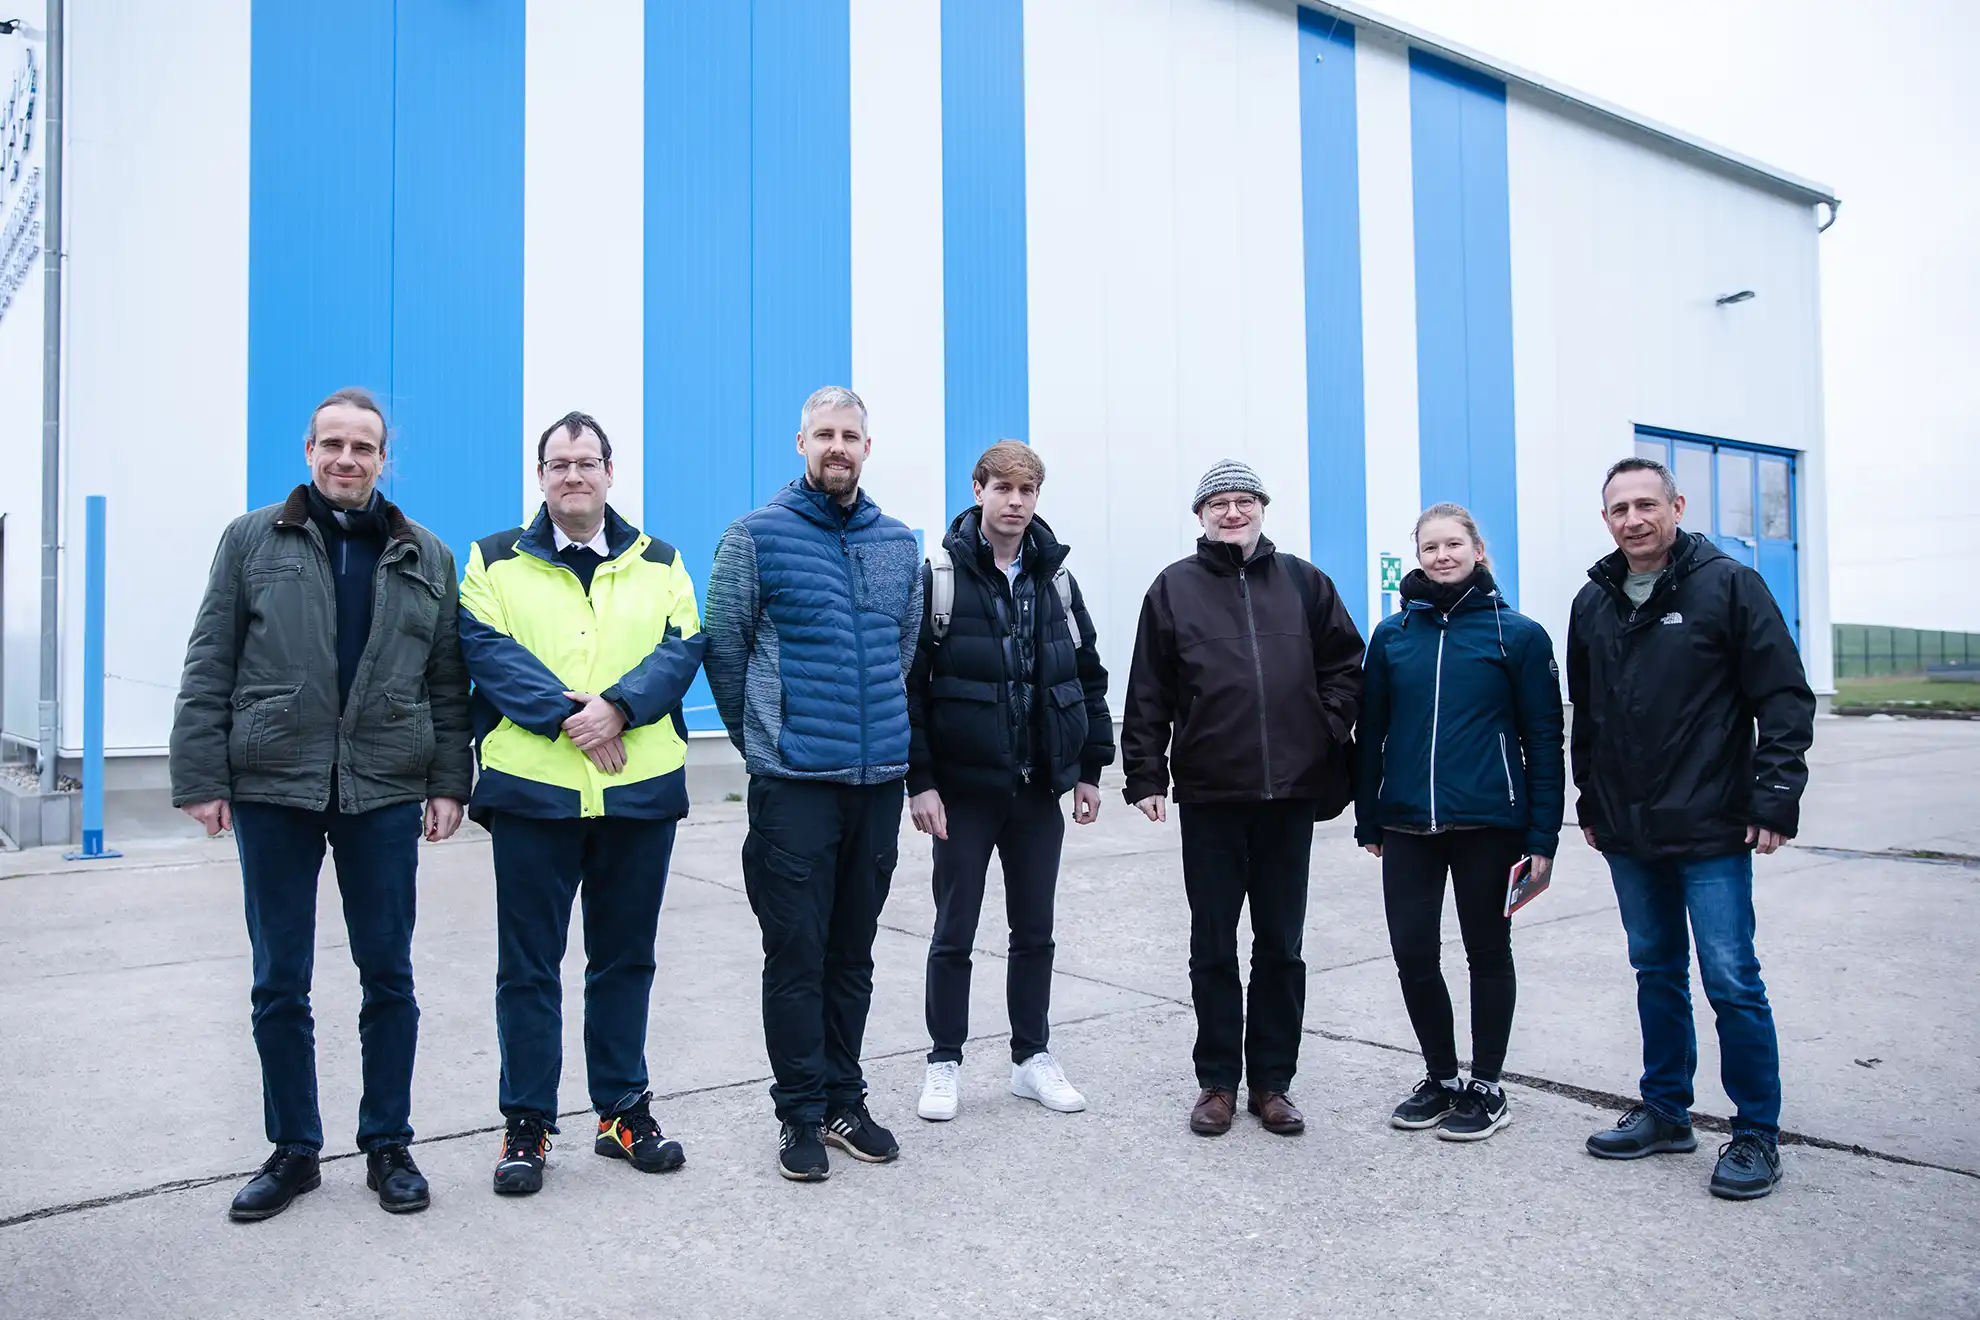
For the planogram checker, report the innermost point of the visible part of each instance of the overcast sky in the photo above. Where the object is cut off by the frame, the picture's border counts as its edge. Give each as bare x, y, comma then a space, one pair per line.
1880, 103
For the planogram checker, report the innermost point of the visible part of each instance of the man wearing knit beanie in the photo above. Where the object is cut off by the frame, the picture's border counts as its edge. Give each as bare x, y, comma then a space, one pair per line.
1246, 682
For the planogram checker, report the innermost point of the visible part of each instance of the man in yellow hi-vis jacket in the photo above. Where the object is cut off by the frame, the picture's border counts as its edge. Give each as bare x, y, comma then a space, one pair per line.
581, 635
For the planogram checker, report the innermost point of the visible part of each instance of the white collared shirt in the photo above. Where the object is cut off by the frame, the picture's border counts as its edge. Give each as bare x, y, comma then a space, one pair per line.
596, 544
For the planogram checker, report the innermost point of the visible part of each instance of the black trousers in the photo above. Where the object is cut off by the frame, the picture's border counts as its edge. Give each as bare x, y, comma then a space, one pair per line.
1413, 867
1231, 852
1026, 827
619, 867
818, 863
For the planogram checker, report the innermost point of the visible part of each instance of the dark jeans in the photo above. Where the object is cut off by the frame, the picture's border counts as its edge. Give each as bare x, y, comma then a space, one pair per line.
377, 857
620, 868
1231, 852
1413, 867
1655, 896
818, 862
1026, 828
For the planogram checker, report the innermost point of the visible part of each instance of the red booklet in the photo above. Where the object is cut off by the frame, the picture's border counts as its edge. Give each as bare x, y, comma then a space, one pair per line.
1522, 886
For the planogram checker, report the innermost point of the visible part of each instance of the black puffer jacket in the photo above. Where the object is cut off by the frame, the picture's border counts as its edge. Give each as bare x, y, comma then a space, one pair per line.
1692, 716
966, 732
1257, 667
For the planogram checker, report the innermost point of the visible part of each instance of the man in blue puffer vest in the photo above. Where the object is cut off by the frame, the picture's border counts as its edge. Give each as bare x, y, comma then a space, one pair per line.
814, 609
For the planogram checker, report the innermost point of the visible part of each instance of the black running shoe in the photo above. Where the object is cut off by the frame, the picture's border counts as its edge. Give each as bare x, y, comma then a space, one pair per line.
631, 1134
1749, 1166
1426, 1106
1480, 1111
853, 1131
801, 1153
1642, 1132
524, 1147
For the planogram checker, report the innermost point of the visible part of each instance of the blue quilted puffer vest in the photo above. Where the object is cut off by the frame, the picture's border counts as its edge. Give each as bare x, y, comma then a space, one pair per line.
837, 585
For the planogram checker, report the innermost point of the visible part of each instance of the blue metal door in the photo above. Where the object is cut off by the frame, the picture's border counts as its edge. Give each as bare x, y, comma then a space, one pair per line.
1742, 496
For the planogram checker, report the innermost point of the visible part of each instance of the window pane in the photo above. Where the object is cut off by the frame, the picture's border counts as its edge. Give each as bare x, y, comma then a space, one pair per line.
1654, 450
1694, 478
1776, 524
1735, 494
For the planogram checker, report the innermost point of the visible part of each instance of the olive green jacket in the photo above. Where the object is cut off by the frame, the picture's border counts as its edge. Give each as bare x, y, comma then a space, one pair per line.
258, 717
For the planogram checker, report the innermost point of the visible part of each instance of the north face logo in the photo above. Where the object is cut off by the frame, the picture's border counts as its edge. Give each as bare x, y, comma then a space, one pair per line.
1673, 617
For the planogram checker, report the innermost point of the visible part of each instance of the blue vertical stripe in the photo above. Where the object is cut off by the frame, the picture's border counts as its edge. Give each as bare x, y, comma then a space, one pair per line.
800, 220
986, 363
1336, 424
319, 224
748, 280
1464, 355
457, 265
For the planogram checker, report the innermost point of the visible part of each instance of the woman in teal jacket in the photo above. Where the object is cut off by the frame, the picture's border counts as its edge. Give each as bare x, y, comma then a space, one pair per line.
1460, 772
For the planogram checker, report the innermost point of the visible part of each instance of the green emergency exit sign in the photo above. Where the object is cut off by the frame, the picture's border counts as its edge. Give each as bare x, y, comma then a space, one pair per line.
1392, 572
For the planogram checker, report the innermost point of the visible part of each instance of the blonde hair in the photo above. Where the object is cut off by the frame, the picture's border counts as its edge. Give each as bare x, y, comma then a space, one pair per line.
1458, 514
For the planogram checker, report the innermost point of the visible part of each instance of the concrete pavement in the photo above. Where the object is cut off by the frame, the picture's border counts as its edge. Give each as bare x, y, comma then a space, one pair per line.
132, 1085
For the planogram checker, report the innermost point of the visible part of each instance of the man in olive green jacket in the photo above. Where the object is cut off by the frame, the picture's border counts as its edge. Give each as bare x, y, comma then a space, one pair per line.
324, 698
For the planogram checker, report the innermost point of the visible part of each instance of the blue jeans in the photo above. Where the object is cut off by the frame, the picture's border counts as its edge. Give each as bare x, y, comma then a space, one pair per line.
619, 866
1655, 894
377, 857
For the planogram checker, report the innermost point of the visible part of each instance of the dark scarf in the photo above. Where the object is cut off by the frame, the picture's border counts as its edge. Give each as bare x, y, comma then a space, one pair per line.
366, 524
1444, 596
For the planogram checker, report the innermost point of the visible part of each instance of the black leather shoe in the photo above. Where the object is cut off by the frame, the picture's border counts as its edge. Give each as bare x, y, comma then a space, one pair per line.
1642, 1132
401, 1187
286, 1175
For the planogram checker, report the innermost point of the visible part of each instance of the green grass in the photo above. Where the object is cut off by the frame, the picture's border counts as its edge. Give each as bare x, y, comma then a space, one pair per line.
1899, 692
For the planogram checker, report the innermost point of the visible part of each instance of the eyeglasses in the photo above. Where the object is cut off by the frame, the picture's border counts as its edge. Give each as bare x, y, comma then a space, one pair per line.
1242, 503
586, 467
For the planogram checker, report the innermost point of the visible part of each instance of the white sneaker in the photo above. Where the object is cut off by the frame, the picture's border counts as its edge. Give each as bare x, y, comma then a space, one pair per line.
1041, 1078
938, 1092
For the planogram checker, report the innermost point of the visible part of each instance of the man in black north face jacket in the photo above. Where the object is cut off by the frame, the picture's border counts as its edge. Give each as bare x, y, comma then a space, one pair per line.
1692, 722
1006, 714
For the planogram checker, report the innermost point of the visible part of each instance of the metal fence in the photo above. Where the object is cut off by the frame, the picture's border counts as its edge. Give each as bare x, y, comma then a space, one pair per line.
1865, 651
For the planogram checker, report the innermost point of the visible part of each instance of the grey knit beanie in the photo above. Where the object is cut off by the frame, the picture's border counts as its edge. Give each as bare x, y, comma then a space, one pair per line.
1228, 475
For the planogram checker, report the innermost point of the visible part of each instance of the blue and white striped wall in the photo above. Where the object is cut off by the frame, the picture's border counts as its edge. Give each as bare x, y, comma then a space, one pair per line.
1140, 237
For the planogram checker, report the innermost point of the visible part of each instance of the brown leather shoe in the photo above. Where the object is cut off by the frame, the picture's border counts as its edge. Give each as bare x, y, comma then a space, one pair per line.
1276, 1112
1213, 1112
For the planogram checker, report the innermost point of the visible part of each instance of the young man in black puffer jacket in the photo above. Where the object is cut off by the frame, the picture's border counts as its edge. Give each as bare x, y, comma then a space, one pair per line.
1007, 700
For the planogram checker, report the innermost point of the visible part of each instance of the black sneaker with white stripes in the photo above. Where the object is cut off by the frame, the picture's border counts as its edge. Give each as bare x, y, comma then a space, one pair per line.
801, 1153
1480, 1111
1426, 1106
852, 1130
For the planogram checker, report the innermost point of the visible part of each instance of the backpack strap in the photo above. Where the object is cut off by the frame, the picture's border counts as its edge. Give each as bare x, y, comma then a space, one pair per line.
941, 589
1063, 584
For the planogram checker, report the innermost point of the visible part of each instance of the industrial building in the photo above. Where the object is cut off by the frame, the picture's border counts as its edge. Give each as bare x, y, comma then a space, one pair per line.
1140, 234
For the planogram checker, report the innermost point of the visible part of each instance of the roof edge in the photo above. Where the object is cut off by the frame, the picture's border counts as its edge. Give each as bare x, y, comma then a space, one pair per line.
1684, 144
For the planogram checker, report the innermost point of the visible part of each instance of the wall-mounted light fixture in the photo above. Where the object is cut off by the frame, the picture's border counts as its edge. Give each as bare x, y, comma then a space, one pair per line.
1731, 298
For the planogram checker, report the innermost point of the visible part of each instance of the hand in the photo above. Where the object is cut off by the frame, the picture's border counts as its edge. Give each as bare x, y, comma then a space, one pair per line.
599, 722
609, 757
1155, 806
1588, 833
930, 816
1763, 840
215, 815
443, 817
1372, 849
1543, 867
1086, 804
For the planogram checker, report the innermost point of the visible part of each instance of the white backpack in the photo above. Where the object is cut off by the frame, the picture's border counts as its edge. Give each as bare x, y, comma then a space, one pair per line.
942, 594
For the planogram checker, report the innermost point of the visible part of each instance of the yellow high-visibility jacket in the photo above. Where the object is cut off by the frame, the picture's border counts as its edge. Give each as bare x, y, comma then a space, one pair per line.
530, 633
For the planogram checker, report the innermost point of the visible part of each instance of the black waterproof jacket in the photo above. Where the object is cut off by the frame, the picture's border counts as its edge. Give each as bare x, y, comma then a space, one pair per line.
1692, 715
1256, 666
964, 735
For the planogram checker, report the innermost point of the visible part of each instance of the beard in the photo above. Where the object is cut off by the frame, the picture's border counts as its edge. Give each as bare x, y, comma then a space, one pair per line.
836, 481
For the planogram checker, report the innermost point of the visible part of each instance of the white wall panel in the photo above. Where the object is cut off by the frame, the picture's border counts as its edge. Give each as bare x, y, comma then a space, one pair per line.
1388, 301
584, 219
1167, 322
897, 328
1619, 252
156, 389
